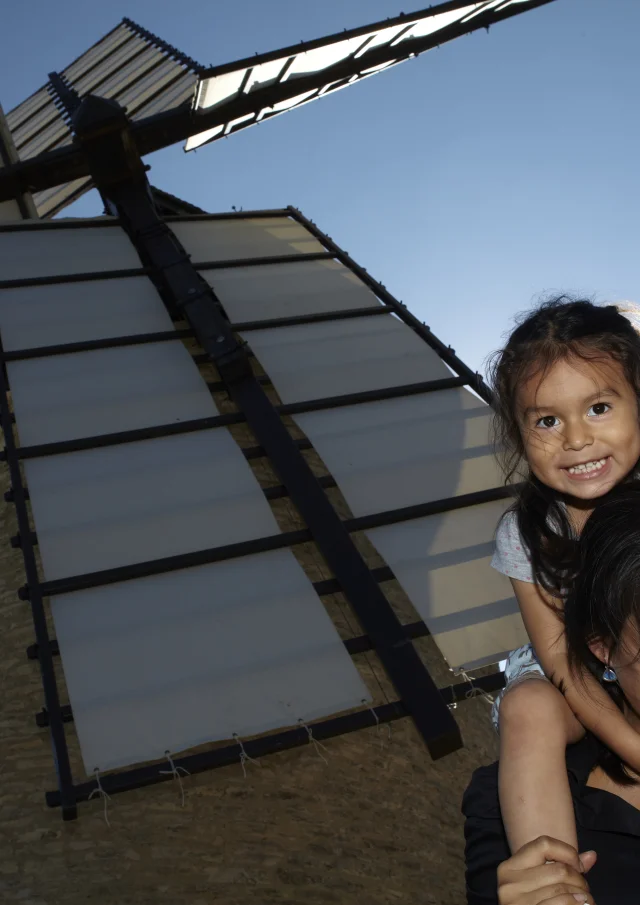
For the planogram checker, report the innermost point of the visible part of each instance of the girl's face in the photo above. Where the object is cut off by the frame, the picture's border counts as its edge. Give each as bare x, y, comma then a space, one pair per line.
580, 427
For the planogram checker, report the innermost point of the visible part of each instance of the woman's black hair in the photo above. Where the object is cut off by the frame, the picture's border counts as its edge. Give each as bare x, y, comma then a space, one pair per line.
604, 598
560, 329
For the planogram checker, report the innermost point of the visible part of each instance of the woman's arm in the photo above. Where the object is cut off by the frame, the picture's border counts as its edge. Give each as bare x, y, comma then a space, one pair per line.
587, 699
493, 878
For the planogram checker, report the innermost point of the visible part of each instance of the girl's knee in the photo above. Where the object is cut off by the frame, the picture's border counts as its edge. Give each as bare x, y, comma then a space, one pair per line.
531, 702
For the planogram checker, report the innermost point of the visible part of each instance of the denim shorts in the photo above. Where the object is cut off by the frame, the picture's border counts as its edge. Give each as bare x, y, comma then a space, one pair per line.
521, 664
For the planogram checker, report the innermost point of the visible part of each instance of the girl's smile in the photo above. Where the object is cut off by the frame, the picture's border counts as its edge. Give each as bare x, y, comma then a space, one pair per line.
580, 427
587, 471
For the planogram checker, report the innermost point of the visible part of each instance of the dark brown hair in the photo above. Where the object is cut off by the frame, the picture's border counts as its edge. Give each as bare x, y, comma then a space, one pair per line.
559, 329
604, 597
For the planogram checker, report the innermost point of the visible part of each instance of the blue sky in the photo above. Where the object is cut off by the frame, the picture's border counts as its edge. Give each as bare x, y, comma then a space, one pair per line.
470, 181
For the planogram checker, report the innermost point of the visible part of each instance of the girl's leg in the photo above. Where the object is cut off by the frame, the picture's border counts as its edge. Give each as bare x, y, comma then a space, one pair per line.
536, 725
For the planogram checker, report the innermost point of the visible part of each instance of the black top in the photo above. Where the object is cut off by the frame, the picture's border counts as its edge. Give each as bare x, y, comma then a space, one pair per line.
606, 824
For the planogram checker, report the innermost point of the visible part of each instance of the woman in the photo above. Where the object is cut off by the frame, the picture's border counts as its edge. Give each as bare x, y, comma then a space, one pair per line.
602, 625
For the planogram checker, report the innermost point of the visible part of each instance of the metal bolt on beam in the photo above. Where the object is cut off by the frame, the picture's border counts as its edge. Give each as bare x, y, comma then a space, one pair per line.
16, 540
9, 496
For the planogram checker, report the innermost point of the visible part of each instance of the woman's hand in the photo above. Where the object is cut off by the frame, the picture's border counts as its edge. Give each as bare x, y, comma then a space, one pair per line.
545, 872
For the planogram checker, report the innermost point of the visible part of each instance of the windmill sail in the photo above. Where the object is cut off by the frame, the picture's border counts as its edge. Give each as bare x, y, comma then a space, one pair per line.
171, 98
238, 95
129, 65
185, 613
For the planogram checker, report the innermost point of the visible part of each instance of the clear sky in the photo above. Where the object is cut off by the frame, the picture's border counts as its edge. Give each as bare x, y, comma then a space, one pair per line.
469, 181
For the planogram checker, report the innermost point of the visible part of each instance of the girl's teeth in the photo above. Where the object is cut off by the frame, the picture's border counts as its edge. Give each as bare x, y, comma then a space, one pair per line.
596, 465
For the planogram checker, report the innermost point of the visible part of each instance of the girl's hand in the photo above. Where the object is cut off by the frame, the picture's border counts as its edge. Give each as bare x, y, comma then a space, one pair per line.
545, 872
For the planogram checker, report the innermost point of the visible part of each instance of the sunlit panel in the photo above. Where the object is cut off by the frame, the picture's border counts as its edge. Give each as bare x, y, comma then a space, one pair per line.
443, 564
399, 452
172, 661
265, 74
225, 86
209, 134
288, 290
323, 57
311, 361
380, 38
493, 4
230, 240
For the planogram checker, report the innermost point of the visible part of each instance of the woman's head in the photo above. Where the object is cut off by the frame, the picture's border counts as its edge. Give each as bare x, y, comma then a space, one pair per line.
567, 392
602, 610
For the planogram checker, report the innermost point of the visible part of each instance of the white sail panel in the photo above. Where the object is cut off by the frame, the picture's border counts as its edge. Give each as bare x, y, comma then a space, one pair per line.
65, 397
56, 251
238, 239
60, 313
443, 564
135, 502
288, 290
311, 361
172, 661
400, 452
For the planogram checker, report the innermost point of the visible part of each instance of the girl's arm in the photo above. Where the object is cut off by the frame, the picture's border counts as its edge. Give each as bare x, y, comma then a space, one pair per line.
587, 699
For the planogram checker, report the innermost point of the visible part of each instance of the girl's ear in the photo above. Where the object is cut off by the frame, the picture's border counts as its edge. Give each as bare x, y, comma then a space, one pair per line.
600, 650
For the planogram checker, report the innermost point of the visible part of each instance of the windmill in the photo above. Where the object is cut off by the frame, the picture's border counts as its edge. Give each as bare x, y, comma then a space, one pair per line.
171, 98
215, 422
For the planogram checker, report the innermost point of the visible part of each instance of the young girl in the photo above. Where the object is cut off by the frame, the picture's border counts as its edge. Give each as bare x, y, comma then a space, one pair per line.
567, 397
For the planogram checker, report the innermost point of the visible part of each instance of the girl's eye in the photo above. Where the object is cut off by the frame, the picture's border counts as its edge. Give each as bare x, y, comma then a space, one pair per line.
548, 422
600, 408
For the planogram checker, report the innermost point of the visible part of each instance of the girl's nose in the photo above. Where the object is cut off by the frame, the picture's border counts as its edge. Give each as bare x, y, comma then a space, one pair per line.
577, 436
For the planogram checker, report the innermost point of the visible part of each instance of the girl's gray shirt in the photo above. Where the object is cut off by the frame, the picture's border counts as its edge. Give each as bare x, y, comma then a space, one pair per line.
510, 556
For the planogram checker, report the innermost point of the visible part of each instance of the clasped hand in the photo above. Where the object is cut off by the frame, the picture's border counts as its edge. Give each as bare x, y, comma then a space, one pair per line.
545, 872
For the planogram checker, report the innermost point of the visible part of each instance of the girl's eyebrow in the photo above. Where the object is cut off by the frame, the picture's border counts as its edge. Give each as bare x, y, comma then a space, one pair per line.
607, 391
